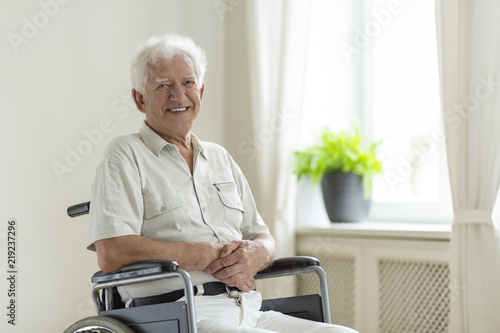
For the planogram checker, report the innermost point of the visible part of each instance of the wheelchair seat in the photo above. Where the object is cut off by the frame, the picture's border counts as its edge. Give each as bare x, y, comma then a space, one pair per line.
180, 317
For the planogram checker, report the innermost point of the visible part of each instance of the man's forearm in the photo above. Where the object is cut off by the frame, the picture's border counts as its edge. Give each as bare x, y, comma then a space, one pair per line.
114, 253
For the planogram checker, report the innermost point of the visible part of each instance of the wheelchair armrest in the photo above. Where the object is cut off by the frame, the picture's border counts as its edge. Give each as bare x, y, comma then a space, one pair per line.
287, 266
142, 268
297, 265
79, 209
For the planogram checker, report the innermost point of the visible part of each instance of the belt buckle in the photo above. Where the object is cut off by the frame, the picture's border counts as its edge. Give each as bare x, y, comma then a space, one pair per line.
231, 291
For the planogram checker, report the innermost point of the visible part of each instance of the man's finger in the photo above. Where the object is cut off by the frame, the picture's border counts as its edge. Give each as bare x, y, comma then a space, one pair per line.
229, 248
219, 264
243, 285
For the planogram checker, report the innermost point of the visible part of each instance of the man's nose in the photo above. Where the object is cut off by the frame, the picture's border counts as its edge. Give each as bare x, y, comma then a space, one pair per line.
176, 92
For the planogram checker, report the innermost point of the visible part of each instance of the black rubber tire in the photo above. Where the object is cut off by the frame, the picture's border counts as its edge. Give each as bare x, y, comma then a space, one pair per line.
98, 324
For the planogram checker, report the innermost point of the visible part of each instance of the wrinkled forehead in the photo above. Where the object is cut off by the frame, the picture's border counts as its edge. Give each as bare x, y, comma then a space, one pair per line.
179, 67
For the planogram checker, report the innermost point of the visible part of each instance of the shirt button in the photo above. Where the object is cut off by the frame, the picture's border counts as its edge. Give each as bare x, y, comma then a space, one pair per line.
163, 209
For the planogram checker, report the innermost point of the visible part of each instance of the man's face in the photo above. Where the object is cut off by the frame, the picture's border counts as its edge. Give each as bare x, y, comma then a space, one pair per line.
172, 98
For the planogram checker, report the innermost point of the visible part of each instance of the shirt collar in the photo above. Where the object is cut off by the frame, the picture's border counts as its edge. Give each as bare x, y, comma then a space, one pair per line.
156, 143
198, 145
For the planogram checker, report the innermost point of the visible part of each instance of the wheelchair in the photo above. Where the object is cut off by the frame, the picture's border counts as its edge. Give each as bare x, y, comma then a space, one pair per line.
180, 317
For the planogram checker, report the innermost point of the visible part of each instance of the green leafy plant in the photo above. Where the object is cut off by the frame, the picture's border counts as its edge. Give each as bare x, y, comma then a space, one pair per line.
344, 151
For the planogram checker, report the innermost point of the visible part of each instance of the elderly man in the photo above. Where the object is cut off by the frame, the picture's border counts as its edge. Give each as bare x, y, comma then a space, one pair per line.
164, 194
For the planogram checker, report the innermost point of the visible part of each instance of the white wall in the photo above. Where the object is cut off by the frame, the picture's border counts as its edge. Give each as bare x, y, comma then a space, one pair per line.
239, 121
65, 78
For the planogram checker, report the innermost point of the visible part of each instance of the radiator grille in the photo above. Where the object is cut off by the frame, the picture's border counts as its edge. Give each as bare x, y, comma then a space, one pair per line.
413, 296
341, 284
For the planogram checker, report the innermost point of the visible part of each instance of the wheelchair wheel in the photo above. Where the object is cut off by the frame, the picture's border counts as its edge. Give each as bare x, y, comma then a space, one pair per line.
98, 324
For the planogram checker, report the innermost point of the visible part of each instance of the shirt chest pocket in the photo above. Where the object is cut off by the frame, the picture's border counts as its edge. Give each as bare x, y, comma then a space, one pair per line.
158, 203
227, 209
228, 194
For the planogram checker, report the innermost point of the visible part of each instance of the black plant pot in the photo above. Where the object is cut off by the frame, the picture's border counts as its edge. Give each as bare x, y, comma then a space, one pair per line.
343, 194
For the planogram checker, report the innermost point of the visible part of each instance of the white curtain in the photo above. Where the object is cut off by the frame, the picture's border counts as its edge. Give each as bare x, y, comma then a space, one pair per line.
277, 51
469, 55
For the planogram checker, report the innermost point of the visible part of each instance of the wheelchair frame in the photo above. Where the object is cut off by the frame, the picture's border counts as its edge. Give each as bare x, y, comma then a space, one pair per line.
183, 316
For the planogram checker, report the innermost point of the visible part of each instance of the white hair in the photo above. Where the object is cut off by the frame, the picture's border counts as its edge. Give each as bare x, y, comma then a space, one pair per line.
165, 48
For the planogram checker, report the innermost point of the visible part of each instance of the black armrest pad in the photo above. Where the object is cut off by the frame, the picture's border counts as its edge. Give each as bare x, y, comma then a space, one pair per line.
287, 264
79, 209
142, 268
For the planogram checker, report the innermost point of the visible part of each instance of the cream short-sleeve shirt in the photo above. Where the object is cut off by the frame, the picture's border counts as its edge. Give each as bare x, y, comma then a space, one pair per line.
143, 186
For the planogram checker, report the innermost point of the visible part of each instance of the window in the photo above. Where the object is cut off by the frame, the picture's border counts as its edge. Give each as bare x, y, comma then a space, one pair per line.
376, 61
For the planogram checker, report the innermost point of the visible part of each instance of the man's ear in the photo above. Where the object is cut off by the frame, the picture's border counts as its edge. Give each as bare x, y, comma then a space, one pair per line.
139, 100
201, 91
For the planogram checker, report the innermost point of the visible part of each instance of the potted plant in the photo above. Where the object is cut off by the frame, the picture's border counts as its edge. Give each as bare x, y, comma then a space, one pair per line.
346, 168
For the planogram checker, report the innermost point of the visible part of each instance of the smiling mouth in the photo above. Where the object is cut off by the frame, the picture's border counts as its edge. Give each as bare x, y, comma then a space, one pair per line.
177, 109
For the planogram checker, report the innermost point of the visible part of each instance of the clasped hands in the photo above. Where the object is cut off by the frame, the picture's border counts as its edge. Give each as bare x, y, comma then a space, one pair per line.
238, 263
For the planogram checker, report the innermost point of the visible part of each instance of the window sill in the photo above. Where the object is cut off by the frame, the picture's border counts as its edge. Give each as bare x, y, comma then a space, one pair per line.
387, 230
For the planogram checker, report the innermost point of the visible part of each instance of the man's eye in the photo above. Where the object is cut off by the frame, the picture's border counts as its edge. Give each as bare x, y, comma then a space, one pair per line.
163, 86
